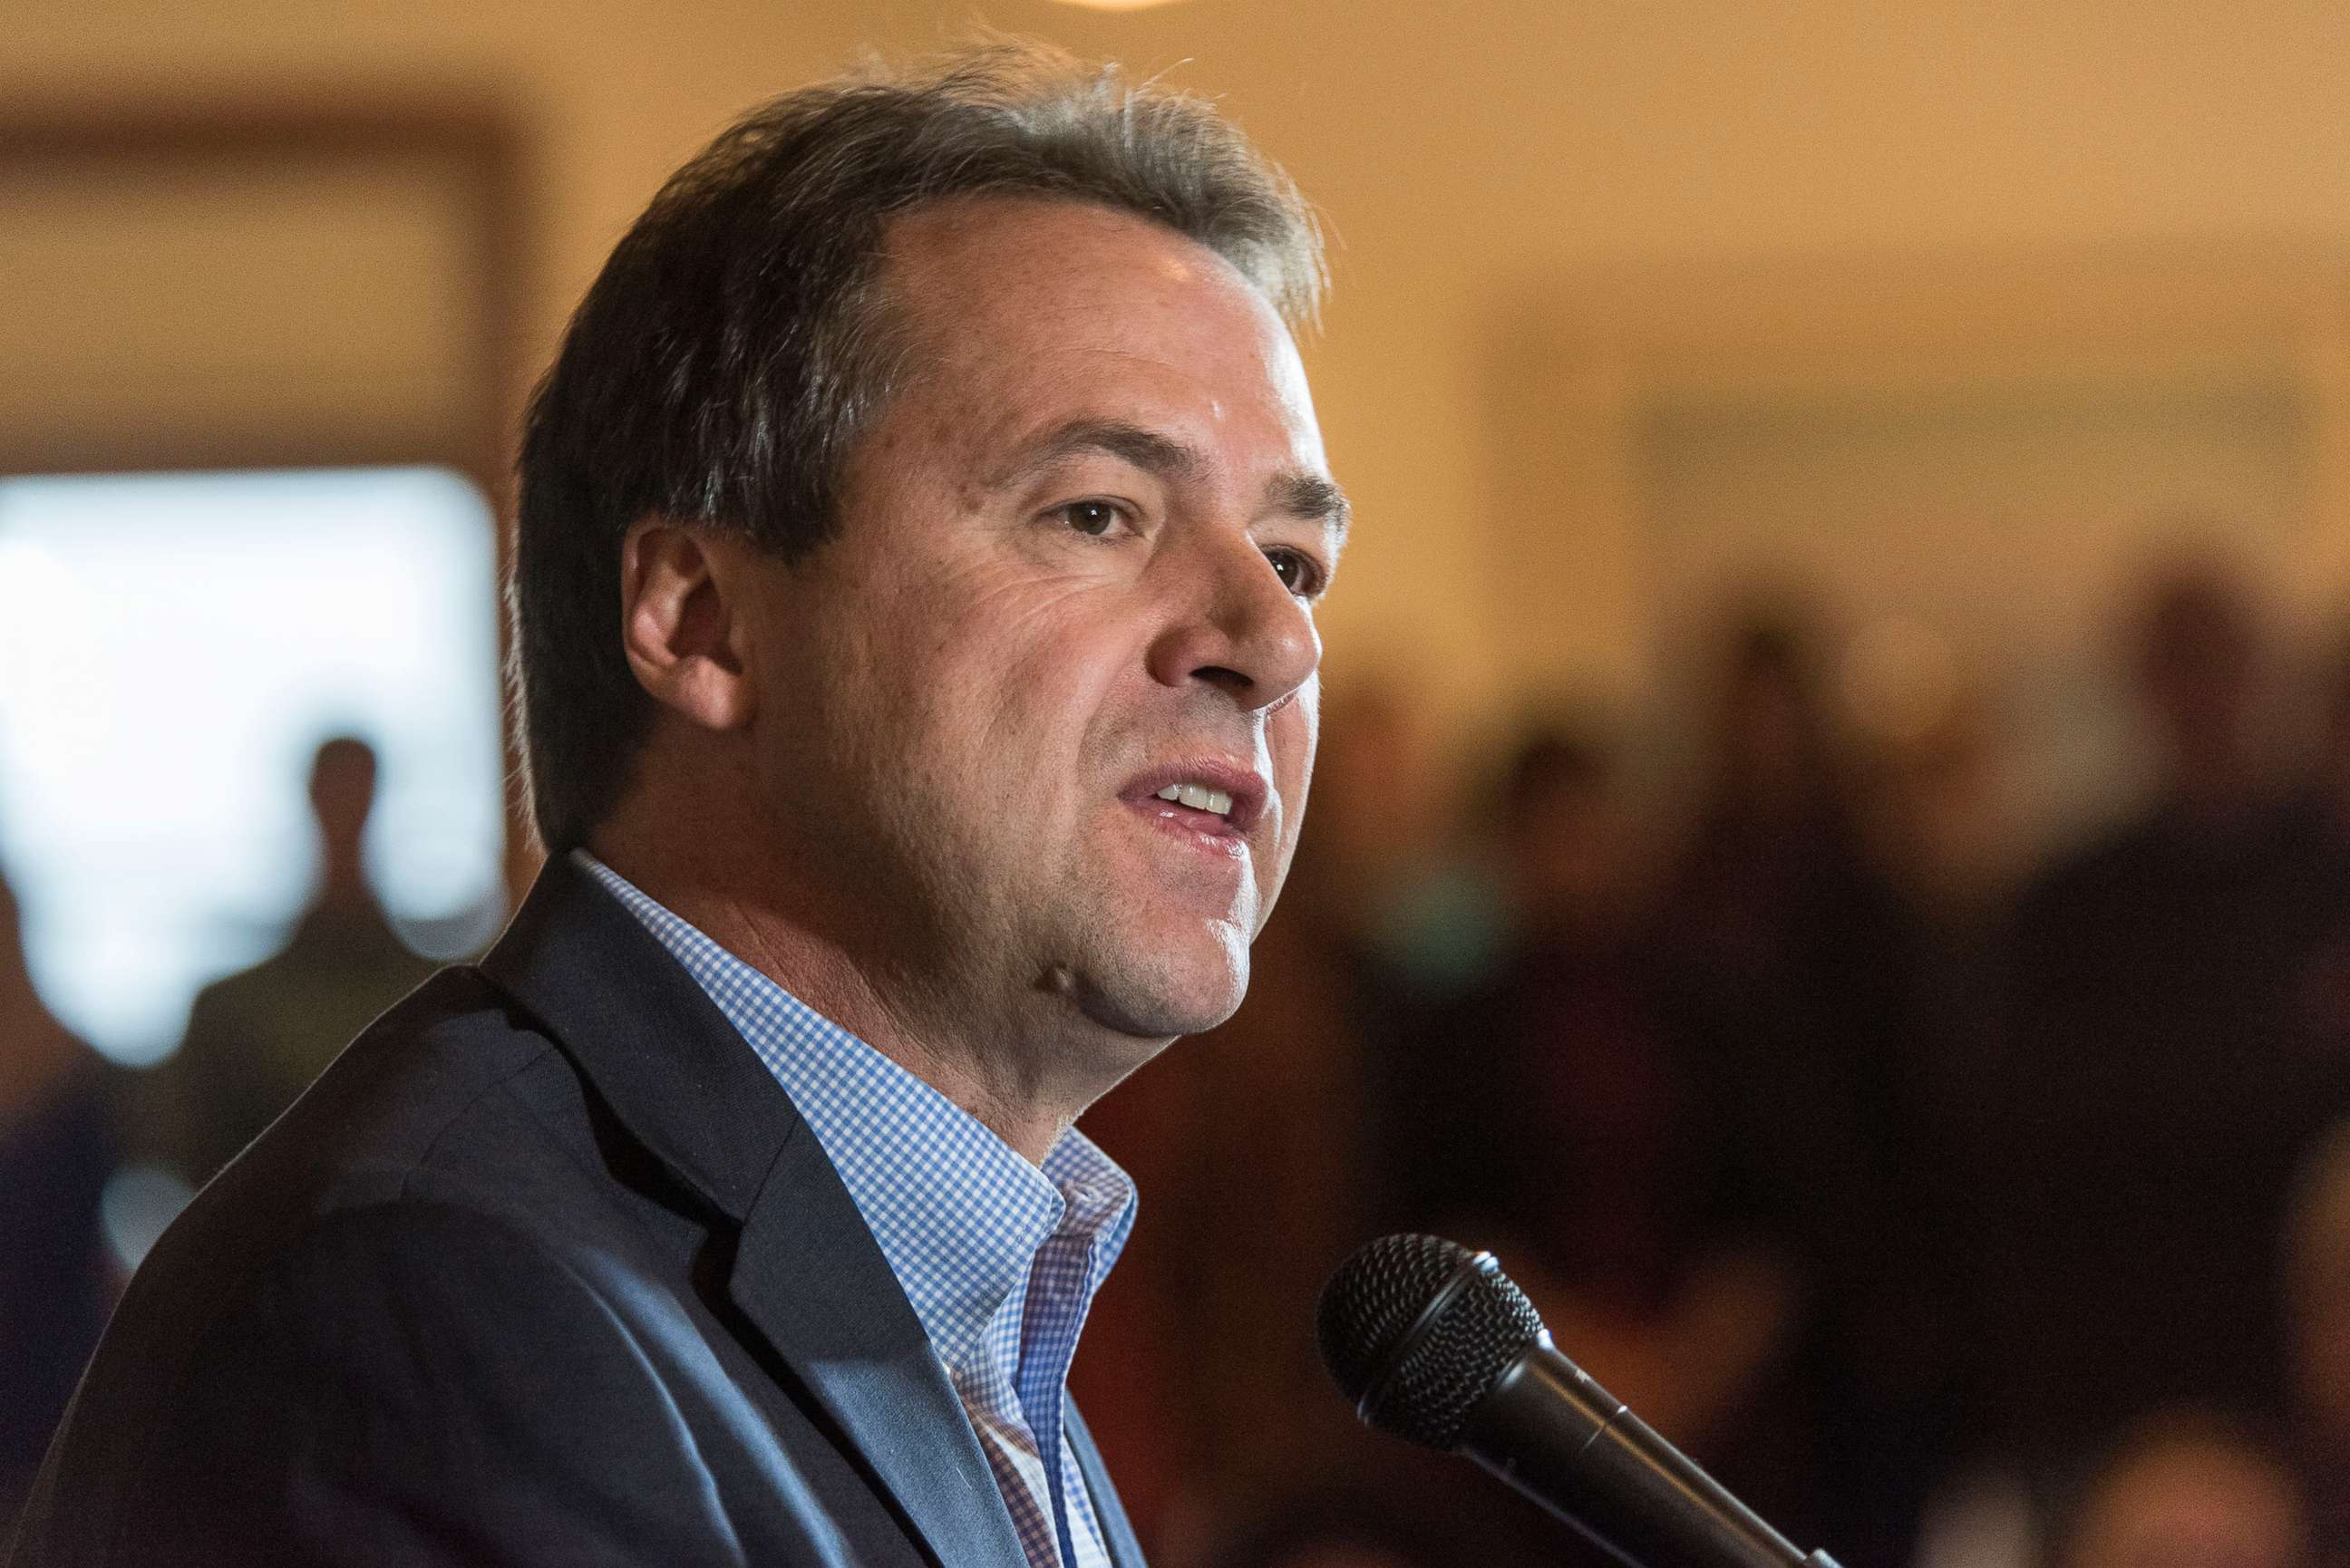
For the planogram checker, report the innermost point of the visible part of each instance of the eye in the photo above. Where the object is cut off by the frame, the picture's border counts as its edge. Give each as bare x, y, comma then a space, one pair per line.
1095, 519
1300, 573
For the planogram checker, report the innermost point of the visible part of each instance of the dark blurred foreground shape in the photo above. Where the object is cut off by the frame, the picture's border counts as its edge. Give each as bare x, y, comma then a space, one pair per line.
255, 1040
56, 1152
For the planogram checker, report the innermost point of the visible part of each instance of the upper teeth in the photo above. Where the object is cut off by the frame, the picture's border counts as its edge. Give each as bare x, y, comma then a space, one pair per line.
1198, 797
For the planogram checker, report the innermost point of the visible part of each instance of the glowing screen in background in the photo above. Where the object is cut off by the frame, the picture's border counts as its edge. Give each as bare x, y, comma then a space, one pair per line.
173, 649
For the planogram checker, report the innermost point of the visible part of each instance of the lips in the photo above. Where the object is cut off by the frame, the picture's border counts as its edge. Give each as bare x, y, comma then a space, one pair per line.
1199, 786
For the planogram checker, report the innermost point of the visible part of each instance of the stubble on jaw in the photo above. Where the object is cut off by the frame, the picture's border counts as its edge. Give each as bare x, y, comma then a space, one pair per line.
1149, 1007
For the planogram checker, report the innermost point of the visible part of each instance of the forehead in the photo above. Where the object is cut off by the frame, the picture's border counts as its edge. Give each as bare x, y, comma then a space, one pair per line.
1009, 302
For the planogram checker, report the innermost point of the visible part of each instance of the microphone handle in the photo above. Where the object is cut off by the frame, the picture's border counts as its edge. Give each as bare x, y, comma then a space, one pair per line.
1550, 1431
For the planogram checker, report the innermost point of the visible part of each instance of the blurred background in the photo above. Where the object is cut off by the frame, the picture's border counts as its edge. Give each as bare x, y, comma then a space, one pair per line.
1831, 852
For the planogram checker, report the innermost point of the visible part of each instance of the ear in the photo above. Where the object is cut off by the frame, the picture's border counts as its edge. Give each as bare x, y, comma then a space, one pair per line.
684, 632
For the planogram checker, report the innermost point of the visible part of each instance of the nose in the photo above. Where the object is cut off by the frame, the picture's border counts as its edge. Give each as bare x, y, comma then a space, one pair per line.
1238, 627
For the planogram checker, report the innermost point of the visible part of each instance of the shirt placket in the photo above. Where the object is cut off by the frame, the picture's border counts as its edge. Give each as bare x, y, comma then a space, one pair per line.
1059, 1286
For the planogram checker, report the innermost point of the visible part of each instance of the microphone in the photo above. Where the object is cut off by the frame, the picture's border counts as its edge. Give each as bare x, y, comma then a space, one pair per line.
1432, 1342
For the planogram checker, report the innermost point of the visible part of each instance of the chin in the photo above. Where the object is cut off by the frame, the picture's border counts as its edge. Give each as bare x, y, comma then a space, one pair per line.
1174, 989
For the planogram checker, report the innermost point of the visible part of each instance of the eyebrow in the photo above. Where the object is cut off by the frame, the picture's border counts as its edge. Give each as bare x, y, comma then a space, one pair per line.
1314, 498
1303, 495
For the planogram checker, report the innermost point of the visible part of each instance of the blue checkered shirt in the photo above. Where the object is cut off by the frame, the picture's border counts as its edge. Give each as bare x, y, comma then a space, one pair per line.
999, 1258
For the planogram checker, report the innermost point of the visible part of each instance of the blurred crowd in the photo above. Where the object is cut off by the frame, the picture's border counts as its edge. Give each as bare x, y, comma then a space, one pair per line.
1959, 1201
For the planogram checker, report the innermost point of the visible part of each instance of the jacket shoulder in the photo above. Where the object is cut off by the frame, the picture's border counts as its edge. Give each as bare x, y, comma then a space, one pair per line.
435, 1314
420, 1381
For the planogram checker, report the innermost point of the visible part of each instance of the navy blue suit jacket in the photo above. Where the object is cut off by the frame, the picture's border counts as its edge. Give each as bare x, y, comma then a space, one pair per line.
544, 1269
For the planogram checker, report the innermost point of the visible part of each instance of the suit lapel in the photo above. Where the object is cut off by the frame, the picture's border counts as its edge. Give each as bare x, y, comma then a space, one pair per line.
808, 1273
1117, 1533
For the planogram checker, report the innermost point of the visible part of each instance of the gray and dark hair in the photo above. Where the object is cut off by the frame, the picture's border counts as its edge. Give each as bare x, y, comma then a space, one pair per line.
738, 342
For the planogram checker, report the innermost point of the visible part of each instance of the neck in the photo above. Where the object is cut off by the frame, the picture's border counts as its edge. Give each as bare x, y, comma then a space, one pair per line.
344, 893
831, 965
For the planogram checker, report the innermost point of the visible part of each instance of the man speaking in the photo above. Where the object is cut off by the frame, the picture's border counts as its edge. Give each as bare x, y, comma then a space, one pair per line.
913, 597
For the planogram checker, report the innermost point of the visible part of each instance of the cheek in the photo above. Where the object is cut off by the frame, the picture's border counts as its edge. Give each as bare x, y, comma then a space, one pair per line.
1292, 735
1029, 673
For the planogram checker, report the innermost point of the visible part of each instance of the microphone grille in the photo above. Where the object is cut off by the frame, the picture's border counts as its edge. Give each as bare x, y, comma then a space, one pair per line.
1419, 1380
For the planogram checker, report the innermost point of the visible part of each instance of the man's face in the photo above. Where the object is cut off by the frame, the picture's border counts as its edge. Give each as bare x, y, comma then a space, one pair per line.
1075, 570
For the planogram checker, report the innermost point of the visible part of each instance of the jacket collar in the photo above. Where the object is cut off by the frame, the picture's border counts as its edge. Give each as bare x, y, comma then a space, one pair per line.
808, 1273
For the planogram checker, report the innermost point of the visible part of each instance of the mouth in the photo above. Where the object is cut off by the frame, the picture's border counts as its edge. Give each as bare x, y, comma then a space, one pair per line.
1211, 798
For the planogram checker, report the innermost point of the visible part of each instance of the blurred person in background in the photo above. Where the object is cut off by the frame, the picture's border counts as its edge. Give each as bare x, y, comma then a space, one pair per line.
56, 1152
1794, 977
1941, 823
256, 1039
2154, 1082
2188, 1489
1552, 1117
1424, 907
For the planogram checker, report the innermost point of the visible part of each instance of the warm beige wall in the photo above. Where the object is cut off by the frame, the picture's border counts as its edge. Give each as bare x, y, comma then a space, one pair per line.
1469, 156
209, 308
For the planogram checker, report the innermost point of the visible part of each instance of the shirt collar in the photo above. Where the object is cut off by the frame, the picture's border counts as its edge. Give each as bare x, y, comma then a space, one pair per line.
959, 1214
